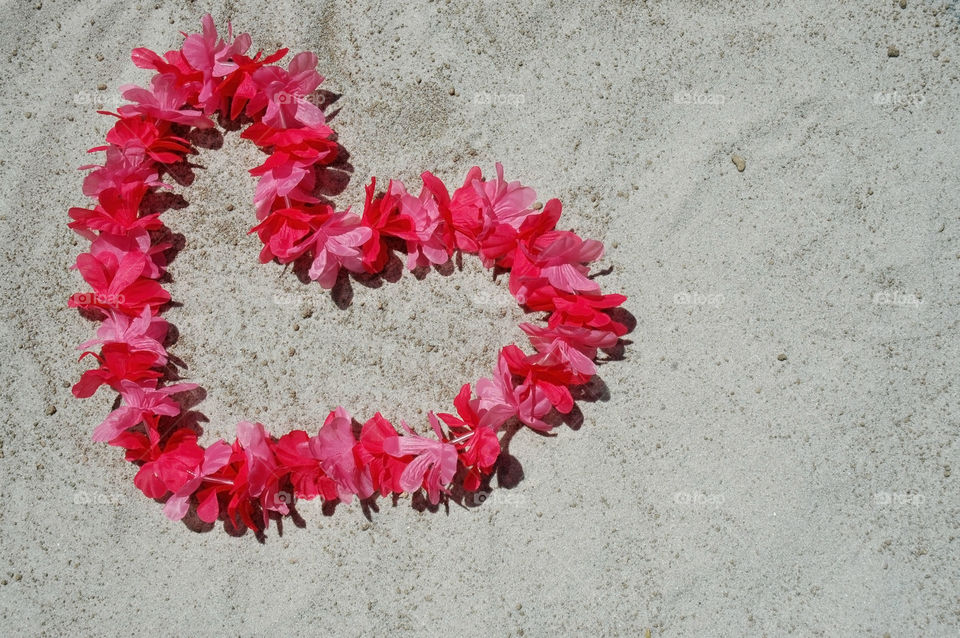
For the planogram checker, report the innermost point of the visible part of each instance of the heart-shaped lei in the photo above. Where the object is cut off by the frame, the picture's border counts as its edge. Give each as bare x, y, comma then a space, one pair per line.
258, 474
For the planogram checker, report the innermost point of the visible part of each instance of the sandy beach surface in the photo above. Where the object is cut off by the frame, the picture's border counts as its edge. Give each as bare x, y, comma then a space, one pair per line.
777, 453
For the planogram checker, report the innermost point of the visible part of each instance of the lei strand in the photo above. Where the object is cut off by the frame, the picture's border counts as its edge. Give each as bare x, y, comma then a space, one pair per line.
259, 476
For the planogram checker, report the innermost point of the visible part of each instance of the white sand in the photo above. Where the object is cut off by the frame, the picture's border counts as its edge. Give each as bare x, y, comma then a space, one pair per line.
718, 492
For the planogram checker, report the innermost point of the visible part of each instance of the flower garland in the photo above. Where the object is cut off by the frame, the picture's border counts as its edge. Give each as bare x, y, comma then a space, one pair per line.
258, 475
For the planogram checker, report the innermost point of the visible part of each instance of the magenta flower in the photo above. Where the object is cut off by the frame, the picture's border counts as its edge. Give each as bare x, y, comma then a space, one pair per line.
263, 475
478, 207
555, 259
434, 463
139, 401
214, 457
503, 400
334, 446
573, 346
283, 91
211, 55
430, 245
145, 333
292, 181
337, 243
164, 100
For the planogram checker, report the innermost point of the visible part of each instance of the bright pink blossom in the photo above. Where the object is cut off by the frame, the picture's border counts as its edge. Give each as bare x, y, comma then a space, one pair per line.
164, 100
433, 465
190, 471
334, 445
479, 207
337, 243
138, 402
117, 284
429, 246
556, 259
282, 93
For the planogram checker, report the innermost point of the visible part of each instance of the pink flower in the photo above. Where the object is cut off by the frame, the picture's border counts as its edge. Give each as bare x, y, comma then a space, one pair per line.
138, 402
385, 470
282, 93
479, 446
146, 137
337, 243
134, 241
211, 55
573, 346
118, 362
145, 332
121, 170
503, 400
430, 245
478, 207
168, 465
263, 472
194, 472
117, 284
588, 311
293, 181
434, 463
117, 212
297, 455
381, 214
556, 259
311, 145
334, 446
164, 100
284, 229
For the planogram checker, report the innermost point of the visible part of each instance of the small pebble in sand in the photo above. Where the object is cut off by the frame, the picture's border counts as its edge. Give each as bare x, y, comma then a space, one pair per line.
903, 4
452, 91
781, 357
101, 87
893, 52
51, 410
739, 162
230, 207
99, 57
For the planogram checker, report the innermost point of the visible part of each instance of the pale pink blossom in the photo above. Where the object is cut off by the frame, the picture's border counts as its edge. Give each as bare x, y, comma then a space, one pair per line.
139, 401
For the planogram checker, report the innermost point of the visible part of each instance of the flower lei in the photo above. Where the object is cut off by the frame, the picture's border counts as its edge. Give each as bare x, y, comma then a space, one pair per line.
259, 476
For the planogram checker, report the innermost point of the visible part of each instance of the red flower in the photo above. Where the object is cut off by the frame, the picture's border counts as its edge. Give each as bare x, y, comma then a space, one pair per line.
118, 362
382, 216
283, 230
117, 212
117, 284
385, 470
477, 445
295, 453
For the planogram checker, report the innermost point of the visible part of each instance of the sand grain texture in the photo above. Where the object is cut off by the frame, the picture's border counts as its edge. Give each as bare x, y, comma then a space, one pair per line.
778, 452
